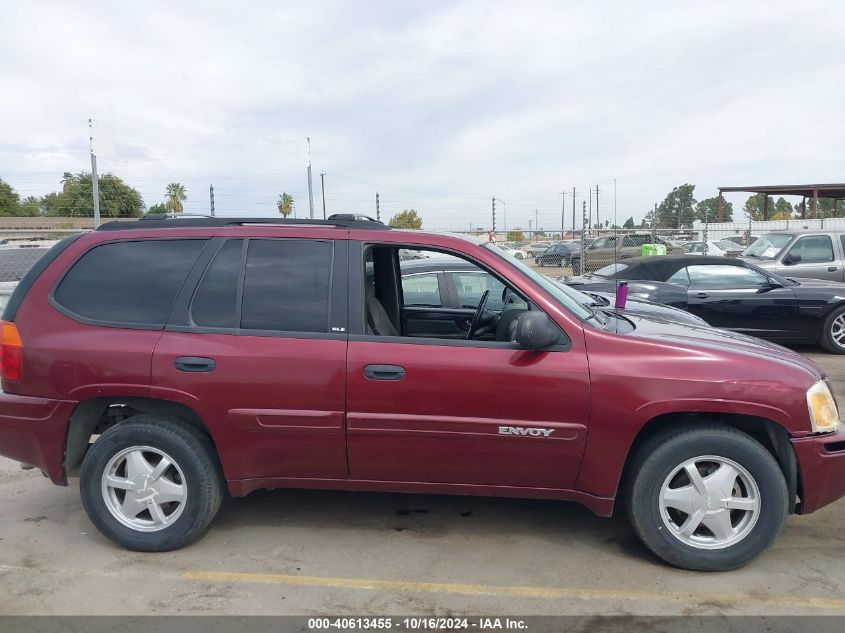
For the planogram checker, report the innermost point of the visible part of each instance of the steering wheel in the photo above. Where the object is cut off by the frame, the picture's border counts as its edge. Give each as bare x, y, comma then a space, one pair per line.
477, 316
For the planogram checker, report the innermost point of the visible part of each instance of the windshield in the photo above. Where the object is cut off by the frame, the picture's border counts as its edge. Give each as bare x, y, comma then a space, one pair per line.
768, 246
574, 301
611, 270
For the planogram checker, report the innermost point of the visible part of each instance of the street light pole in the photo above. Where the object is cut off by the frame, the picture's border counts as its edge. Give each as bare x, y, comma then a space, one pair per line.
323, 191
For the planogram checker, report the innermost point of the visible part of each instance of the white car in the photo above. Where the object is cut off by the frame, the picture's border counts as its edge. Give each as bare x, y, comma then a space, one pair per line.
721, 248
515, 252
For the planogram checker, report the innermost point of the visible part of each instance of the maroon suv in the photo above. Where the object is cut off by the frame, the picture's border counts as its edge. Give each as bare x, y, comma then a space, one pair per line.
170, 361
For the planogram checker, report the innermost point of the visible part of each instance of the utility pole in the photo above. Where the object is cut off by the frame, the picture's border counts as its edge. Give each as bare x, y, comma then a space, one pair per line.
614, 203
536, 220
310, 192
494, 214
562, 213
95, 184
529, 229
378, 209
211, 198
584, 223
598, 221
590, 215
573, 212
323, 191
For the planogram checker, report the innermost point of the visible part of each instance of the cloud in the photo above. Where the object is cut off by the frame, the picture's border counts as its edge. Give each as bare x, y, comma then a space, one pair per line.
436, 105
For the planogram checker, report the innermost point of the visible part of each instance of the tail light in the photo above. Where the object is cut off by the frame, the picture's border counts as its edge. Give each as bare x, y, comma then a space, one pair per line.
11, 351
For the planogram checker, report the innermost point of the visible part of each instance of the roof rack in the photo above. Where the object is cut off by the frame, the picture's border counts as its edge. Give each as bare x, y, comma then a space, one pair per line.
164, 221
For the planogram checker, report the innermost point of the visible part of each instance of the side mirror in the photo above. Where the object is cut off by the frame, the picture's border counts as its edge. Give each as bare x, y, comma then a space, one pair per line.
790, 259
535, 330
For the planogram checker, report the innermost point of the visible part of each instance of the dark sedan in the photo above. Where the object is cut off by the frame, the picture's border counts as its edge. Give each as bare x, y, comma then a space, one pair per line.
447, 282
559, 254
733, 294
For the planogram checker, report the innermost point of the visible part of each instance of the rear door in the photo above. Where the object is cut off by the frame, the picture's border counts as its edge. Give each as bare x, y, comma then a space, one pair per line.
256, 345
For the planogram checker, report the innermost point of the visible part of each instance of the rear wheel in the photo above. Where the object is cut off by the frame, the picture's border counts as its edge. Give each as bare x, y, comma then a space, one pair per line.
151, 483
833, 332
706, 497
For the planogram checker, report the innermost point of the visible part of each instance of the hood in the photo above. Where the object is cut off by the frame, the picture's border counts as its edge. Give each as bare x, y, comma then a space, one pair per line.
716, 339
650, 309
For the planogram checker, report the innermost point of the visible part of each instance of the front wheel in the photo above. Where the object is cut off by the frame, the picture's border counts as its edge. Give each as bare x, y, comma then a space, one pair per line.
151, 483
833, 332
706, 497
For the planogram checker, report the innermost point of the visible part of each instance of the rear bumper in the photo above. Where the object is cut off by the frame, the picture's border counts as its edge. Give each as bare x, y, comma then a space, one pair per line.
33, 431
821, 462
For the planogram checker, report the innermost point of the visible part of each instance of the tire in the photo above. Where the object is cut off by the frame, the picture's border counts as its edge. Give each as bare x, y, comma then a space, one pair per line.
539, 262
656, 519
835, 322
518, 255
192, 485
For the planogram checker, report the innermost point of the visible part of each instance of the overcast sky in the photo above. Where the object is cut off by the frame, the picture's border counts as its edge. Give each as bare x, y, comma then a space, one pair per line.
436, 105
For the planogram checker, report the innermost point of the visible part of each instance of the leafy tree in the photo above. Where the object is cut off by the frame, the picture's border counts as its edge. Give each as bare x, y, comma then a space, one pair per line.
30, 207
754, 206
9, 200
159, 208
515, 235
285, 204
629, 223
175, 195
407, 219
783, 209
678, 208
117, 199
708, 210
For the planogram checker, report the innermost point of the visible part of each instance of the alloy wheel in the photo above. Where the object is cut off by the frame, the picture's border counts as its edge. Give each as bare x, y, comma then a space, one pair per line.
709, 502
144, 488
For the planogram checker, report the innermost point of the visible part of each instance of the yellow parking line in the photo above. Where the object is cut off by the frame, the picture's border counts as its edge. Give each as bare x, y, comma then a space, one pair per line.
514, 591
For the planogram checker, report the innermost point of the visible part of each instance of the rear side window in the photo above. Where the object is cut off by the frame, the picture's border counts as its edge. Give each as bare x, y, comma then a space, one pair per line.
128, 283
422, 289
215, 303
287, 285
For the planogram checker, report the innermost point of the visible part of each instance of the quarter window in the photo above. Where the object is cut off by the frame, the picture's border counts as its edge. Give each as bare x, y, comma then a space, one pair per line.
215, 304
813, 249
128, 283
287, 285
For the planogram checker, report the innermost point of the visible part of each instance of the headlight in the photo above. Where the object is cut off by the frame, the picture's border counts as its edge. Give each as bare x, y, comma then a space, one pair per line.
823, 414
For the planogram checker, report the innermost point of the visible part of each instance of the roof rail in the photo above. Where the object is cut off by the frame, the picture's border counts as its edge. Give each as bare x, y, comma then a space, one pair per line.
162, 221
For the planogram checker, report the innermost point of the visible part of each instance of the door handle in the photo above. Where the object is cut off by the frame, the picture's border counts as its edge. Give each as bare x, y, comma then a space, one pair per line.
194, 363
832, 269
701, 295
384, 372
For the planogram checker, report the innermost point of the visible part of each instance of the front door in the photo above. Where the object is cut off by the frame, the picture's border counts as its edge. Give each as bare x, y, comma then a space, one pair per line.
447, 410
742, 300
812, 257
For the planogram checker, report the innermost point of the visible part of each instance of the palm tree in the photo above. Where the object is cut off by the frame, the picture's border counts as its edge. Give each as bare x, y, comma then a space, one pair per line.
67, 181
175, 196
285, 204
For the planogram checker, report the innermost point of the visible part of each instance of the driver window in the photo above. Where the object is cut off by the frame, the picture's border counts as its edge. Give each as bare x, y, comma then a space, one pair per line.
428, 294
725, 277
813, 249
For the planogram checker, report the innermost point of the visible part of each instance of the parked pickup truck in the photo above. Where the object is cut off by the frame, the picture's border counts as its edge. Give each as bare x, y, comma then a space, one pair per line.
168, 362
815, 254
